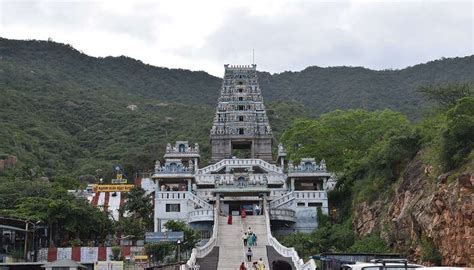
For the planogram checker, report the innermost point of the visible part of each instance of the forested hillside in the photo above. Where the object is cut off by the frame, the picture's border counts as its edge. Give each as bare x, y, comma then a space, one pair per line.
326, 89
65, 113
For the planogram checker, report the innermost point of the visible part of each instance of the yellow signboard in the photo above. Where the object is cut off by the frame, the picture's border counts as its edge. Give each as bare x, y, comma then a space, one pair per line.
112, 188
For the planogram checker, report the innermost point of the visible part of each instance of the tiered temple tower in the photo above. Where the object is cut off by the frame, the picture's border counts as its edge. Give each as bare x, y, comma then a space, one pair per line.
241, 126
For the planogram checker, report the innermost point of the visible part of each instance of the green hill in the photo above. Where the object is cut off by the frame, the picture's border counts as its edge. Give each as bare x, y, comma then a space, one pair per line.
326, 89
65, 113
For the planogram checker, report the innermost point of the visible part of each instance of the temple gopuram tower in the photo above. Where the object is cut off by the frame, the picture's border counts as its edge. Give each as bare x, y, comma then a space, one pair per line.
241, 128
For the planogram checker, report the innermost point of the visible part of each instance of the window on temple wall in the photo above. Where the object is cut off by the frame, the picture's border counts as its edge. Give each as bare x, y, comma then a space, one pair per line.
315, 204
301, 204
181, 148
173, 167
241, 90
241, 107
173, 207
241, 98
241, 118
240, 83
241, 131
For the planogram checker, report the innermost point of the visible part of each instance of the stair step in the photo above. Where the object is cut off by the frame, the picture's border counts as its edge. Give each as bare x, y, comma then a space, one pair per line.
232, 250
210, 261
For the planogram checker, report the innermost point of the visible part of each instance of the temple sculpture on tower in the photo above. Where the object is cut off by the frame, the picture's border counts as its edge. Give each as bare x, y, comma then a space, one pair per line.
241, 124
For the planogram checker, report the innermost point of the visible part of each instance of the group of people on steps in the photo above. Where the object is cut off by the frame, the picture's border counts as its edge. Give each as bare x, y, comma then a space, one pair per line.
250, 239
258, 265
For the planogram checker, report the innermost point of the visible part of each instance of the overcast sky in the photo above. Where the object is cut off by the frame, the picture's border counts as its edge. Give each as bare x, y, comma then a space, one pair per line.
286, 35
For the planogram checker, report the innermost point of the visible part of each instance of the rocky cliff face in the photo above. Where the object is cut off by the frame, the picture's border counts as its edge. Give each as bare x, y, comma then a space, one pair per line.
439, 210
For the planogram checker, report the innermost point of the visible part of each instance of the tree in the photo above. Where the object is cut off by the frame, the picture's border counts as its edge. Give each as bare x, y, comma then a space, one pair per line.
157, 252
341, 137
137, 213
191, 237
447, 95
371, 243
458, 137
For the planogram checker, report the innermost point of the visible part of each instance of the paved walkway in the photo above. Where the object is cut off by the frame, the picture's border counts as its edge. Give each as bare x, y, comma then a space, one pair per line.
231, 248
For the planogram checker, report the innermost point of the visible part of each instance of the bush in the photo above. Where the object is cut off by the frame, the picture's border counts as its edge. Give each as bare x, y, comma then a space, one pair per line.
429, 253
371, 243
458, 138
157, 252
115, 256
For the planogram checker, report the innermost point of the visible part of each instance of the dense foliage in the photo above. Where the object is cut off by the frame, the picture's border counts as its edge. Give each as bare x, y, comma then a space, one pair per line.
333, 237
458, 137
136, 214
65, 113
166, 251
368, 151
69, 219
325, 89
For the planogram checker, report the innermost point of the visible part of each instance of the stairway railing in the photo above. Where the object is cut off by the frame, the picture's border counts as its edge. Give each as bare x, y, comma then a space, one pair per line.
282, 200
285, 251
200, 252
202, 203
239, 162
298, 195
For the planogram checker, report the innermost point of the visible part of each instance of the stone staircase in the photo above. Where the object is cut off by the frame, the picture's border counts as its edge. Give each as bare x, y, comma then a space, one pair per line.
231, 248
198, 201
257, 223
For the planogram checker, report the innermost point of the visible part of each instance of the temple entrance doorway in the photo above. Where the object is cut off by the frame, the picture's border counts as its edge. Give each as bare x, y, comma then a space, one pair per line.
235, 207
242, 149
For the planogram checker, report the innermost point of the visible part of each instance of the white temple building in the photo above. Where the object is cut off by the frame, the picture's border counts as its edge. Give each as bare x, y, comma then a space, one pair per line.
243, 175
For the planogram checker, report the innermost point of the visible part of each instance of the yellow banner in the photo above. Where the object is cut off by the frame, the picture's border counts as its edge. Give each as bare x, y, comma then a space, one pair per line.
112, 188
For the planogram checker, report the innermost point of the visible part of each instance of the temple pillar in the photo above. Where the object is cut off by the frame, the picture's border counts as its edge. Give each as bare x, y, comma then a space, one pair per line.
196, 164
292, 183
156, 225
189, 185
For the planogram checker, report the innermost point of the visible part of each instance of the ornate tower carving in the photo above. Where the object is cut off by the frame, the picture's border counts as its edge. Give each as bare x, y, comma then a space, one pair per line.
241, 126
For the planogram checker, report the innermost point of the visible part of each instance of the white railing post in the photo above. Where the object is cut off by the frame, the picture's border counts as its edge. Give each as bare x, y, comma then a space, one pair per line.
282, 250
201, 252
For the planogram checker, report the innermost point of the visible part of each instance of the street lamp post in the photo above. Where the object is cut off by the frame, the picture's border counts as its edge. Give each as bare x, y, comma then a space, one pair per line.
179, 254
26, 242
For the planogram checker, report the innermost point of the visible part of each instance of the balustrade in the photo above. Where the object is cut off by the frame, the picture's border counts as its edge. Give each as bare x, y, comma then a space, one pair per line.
201, 252
201, 215
174, 170
171, 195
285, 251
303, 194
283, 214
239, 162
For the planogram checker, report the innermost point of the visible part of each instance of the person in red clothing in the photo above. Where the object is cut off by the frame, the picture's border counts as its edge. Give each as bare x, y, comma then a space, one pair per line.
243, 214
229, 220
242, 266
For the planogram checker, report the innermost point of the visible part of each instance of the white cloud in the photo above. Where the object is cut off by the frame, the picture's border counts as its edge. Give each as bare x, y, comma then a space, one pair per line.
286, 35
